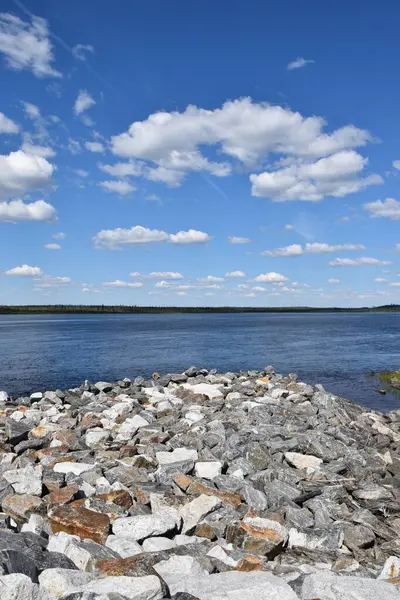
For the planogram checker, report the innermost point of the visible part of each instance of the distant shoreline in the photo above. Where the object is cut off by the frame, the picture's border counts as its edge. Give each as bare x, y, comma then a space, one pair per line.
120, 309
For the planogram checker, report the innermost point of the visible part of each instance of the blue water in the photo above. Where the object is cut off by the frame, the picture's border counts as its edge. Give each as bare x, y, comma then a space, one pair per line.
43, 352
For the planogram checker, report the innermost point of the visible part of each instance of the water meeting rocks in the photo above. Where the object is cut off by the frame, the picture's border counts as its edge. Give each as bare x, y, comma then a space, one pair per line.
198, 486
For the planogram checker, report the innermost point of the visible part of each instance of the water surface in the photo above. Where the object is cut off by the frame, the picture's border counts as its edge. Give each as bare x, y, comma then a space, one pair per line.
43, 352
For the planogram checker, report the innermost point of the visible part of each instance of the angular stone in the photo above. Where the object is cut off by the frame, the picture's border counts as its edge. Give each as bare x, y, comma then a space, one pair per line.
303, 461
124, 546
73, 467
357, 536
197, 487
58, 582
130, 427
20, 508
131, 588
332, 587
144, 526
13, 561
176, 456
204, 389
82, 554
27, 480
20, 587
103, 386
258, 535
391, 568
234, 585
95, 438
208, 470
176, 569
156, 544
329, 539
80, 521
16, 432
197, 509
63, 495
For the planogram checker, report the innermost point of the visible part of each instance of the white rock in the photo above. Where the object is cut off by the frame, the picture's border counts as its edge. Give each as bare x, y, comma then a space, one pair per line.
303, 461
144, 526
232, 396
102, 486
36, 396
218, 552
118, 410
176, 569
164, 405
234, 585
103, 386
132, 588
124, 546
177, 455
130, 427
197, 509
70, 546
333, 587
37, 525
208, 470
391, 568
184, 540
212, 391
19, 587
27, 480
73, 467
96, 437
155, 544
3, 397
193, 416
59, 581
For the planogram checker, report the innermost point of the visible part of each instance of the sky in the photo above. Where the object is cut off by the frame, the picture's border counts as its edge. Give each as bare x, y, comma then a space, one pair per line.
182, 153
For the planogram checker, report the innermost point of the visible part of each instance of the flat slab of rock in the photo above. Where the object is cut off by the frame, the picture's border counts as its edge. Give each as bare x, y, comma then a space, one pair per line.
132, 588
144, 526
58, 582
206, 389
73, 467
81, 522
20, 507
178, 568
303, 461
333, 587
19, 587
176, 456
195, 510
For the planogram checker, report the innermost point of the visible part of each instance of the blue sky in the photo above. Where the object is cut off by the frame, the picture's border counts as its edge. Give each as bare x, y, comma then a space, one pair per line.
181, 153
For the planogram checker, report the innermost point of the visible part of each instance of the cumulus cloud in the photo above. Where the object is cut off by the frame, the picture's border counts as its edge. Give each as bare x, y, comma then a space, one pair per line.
298, 63
238, 240
380, 280
333, 281
74, 147
83, 102
80, 51
171, 142
396, 164
389, 209
26, 45
115, 239
258, 288
159, 275
122, 284
17, 210
292, 250
289, 227
7, 125
52, 246
45, 283
59, 236
25, 271
270, 277
336, 175
189, 237
119, 186
96, 147
37, 150
81, 173
211, 279
122, 169
21, 172
357, 262
233, 274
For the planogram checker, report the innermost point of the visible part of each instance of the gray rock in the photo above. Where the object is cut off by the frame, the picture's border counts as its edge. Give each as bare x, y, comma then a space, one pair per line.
142, 527
234, 585
19, 587
332, 587
132, 588
58, 582
196, 510
124, 546
176, 569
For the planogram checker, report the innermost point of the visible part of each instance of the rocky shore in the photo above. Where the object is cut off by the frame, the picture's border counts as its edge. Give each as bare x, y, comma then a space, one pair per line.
198, 486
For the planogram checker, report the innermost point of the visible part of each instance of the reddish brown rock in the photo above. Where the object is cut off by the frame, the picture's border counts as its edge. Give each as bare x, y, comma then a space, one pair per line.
182, 481
21, 506
80, 521
197, 488
205, 530
251, 563
257, 535
63, 495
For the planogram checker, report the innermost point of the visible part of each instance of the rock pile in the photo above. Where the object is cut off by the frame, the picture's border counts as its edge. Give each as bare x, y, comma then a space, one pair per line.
201, 486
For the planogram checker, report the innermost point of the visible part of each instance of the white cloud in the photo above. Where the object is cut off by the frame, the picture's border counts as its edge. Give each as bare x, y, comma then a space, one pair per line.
46, 282
238, 240
25, 271
81, 173
138, 235
189, 237
59, 236
211, 279
299, 63
7, 125
318, 248
270, 277
333, 281
21, 172
122, 284
289, 227
243, 286
380, 280
95, 147
289, 251
17, 210
32, 111
247, 131
390, 208
181, 293
396, 164
52, 246
74, 146
36, 150
122, 169
394, 284
26, 45
119, 187
158, 275
356, 262
80, 50
83, 102
336, 175
250, 295
258, 288
233, 274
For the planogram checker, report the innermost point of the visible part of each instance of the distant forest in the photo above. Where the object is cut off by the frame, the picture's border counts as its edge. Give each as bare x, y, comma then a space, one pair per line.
104, 308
